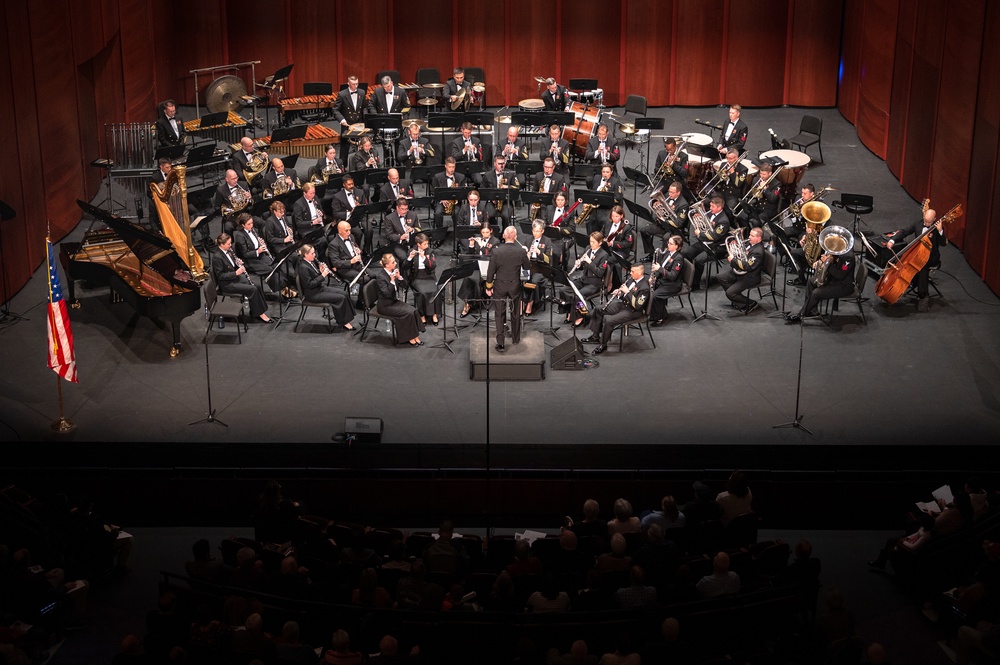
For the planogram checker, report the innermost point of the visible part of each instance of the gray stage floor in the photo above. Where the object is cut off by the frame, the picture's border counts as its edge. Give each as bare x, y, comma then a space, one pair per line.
904, 378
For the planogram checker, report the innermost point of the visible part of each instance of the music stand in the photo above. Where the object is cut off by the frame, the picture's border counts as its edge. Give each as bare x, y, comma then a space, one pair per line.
642, 212
857, 205
710, 251
586, 171
436, 236
464, 232
457, 194
479, 118
362, 211
650, 124
469, 168
527, 167
200, 154
444, 121
601, 199
781, 239
528, 118
171, 152
213, 119
545, 198
285, 134
554, 276
449, 276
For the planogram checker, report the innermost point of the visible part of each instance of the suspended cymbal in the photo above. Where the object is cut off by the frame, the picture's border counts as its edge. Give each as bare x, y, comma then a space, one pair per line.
427, 101
540, 79
225, 94
435, 86
420, 122
505, 119
628, 128
612, 115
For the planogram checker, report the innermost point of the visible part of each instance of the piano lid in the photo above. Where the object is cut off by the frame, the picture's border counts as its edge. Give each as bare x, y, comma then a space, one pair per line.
154, 250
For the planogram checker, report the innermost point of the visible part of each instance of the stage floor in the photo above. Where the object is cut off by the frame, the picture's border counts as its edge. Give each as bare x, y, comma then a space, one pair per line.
903, 379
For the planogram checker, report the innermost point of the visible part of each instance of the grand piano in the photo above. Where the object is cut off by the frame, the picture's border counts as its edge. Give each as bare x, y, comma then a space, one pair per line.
141, 268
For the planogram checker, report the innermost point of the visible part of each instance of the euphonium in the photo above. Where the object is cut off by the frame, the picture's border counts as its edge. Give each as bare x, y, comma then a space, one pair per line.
735, 247
699, 219
662, 210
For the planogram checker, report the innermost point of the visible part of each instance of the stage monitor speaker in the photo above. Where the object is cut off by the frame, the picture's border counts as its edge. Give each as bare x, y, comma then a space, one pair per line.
568, 355
363, 430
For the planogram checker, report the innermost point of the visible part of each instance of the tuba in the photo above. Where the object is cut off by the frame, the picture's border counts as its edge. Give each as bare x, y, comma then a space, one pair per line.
835, 240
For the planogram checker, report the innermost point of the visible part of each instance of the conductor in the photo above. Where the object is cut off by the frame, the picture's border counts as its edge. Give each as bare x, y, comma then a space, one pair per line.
503, 282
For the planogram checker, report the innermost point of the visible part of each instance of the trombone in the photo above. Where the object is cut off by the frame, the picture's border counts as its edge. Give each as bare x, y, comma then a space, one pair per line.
756, 192
718, 178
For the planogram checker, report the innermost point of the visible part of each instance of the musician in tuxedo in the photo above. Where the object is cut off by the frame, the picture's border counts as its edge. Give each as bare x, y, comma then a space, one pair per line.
308, 216
232, 278
678, 167
421, 265
365, 157
253, 251
547, 180
229, 194
395, 187
733, 182
445, 180
466, 148
313, 278
795, 224
744, 272
475, 212
329, 163
240, 159
414, 150
399, 227
602, 148
478, 247
164, 167
169, 126
539, 249
342, 205
514, 148
392, 301
617, 232
679, 206
555, 97
454, 86
708, 240
666, 275
627, 303
559, 212
734, 132
343, 253
500, 178
388, 99
930, 225
557, 148
763, 197
279, 235
503, 284
839, 284
606, 181
278, 171
348, 109
588, 275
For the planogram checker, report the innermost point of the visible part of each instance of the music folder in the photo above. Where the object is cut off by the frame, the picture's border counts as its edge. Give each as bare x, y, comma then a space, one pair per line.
361, 211
283, 134
451, 193
639, 210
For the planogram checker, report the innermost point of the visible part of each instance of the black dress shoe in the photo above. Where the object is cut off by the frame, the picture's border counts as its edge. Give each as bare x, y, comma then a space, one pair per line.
434, 323
593, 339
601, 348
500, 347
657, 324
796, 282
751, 306
465, 313
793, 318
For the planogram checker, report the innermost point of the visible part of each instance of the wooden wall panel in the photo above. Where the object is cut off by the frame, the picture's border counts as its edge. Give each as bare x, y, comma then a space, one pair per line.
482, 42
922, 106
248, 42
365, 39
814, 58
424, 39
901, 75
982, 222
875, 84
189, 34
534, 47
956, 112
312, 30
850, 63
699, 53
649, 43
137, 58
591, 45
755, 54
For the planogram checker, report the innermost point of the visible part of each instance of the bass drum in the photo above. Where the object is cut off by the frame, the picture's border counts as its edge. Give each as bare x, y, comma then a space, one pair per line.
578, 134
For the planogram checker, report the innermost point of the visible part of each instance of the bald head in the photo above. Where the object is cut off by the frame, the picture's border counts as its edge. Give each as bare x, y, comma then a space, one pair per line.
343, 229
930, 216
247, 143
510, 234
720, 564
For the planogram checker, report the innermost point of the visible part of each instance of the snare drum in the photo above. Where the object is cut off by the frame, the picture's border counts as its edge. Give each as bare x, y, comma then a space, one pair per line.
478, 94
531, 105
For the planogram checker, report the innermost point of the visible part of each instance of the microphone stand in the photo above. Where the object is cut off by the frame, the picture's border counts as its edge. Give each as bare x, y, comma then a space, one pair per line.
708, 278
797, 422
210, 416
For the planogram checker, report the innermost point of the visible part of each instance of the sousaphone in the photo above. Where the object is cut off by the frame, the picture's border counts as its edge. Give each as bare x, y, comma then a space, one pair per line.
225, 94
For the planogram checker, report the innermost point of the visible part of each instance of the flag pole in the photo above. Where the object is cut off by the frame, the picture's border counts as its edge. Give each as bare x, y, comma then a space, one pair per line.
63, 425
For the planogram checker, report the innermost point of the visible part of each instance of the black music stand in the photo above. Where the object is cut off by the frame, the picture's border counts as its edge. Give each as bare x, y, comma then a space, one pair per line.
479, 118
362, 212
527, 168
601, 199
457, 194
586, 171
782, 240
464, 232
449, 276
796, 422
469, 168
443, 121
545, 198
200, 154
424, 174
381, 122
213, 119
553, 276
857, 205
650, 124
506, 195
422, 202
711, 261
642, 212
171, 152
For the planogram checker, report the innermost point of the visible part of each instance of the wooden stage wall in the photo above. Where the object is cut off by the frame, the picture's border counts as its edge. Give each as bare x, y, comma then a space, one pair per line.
69, 68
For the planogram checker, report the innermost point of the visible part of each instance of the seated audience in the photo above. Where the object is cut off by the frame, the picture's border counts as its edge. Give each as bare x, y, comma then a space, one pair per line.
722, 581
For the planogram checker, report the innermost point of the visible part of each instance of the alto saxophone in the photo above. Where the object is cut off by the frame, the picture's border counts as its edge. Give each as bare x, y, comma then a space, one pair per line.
589, 207
501, 184
449, 204
536, 207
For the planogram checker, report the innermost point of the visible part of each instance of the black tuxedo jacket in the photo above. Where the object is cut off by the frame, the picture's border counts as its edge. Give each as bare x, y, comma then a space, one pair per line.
485, 211
738, 138
317, 168
557, 101
404, 146
341, 207
457, 148
550, 216
623, 240
612, 145
489, 179
338, 256
504, 273
165, 134
377, 103
357, 160
343, 109
614, 184
671, 269
405, 190
393, 227
679, 167
243, 246
440, 180
275, 236
271, 177
556, 184
545, 150
225, 272
519, 150
302, 216
221, 196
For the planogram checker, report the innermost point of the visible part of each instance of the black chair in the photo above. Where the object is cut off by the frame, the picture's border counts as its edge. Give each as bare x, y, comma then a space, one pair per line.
770, 270
635, 104
857, 295
636, 324
417, 542
305, 302
687, 276
428, 75
317, 88
369, 294
810, 133
742, 530
222, 309
391, 73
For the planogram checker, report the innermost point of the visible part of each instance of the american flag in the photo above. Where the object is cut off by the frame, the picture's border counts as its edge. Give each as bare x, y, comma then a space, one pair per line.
62, 360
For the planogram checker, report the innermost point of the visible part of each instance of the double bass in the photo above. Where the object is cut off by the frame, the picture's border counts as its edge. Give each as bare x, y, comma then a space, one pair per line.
901, 270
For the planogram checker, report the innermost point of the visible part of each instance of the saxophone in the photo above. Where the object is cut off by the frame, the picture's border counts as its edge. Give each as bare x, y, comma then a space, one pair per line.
449, 204
536, 207
501, 184
589, 207
237, 202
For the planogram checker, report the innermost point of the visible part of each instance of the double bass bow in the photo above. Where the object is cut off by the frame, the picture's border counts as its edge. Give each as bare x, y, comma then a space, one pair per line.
901, 270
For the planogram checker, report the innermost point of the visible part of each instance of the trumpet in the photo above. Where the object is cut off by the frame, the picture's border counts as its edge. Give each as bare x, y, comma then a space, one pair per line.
556, 153
372, 161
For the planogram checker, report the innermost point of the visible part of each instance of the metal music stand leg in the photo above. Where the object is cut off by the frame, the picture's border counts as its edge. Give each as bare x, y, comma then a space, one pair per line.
797, 422
784, 287
444, 325
708, 278
551, 330
210, 416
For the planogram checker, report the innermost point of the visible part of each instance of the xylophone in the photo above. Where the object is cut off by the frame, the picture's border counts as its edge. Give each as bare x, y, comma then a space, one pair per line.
292, 107
313, 144
231, 130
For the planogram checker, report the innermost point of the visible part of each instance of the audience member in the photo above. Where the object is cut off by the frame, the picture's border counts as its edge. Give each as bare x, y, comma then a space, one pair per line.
252, 641
736, 500
502, 597
130, 652
594, 595
637, 593
205, 566
525, 563
837, 622
658, 557
671, 648
624, 653
290, 650
340, 652
703, 508
165, 628
978, 498
722, 581
549, 599
249, 572
616, 560
388, 653
455, 600
668, 516
624, 521
276, 515
397, 557
591, 524
369, 593
442, 555
415, 592
578, 655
